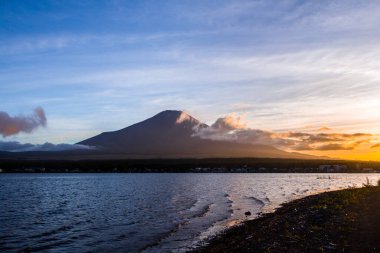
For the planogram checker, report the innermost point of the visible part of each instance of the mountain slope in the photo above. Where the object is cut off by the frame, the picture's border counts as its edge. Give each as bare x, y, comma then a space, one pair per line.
170, 134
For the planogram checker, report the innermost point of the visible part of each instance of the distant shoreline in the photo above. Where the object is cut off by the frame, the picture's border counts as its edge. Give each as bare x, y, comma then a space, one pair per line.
339, 221
185, 165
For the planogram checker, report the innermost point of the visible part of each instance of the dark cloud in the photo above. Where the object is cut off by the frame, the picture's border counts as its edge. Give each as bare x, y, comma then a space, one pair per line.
324, 147
335, 146
14, 146
13, 125
321, 137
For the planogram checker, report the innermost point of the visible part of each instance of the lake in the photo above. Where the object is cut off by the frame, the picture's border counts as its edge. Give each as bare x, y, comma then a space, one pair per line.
142, 212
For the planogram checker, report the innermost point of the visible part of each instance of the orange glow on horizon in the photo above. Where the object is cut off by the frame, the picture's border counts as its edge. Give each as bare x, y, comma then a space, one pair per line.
360, 154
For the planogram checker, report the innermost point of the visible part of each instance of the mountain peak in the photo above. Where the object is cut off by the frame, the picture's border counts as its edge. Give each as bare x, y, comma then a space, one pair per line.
169, 113
175, 116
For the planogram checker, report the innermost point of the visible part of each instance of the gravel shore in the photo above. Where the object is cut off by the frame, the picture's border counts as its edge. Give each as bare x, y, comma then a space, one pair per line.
340, 221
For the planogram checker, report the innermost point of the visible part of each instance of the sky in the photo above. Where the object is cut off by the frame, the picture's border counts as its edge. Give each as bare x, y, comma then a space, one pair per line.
309, 67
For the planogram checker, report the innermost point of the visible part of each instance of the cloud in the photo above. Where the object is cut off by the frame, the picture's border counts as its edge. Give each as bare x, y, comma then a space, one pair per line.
231, 128
14, 146
230, 122
183, 117
377, 145
222, 129
324, 128
335, 146
13, 125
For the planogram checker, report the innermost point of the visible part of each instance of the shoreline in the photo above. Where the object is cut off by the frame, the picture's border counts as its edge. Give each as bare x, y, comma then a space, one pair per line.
338, 221
19, 163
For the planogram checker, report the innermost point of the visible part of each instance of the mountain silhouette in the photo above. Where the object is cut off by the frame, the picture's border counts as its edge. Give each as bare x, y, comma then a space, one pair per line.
170, 134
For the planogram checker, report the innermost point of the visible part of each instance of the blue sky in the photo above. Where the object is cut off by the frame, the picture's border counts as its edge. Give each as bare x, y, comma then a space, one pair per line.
98, 66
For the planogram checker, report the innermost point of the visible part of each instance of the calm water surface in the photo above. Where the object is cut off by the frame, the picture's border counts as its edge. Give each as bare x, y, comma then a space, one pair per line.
141, 212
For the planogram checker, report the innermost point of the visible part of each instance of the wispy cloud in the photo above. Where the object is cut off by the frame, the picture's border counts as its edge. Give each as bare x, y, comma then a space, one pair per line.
286, 64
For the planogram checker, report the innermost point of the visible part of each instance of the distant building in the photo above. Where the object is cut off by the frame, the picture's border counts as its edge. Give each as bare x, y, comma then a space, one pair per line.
332, 168
368, 170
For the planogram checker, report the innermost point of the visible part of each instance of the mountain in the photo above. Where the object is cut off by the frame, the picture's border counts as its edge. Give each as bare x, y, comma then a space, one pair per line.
169, 134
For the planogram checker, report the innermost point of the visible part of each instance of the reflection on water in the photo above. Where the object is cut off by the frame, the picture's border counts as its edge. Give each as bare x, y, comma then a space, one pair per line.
135, 212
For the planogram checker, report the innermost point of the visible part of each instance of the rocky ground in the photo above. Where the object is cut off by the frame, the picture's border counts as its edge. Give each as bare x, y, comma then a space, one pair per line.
340, 221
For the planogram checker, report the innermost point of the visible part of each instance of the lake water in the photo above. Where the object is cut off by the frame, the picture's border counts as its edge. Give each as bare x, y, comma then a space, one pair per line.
141, 212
